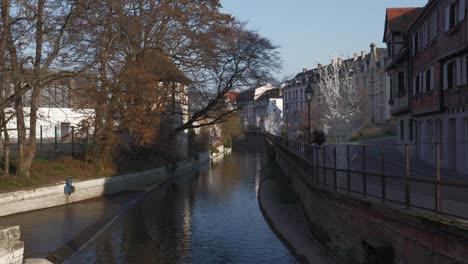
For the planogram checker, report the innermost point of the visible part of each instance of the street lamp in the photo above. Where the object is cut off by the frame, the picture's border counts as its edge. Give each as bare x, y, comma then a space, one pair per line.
309, 93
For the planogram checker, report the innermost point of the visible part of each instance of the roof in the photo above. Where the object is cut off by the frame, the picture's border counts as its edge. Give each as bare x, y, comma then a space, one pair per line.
273, 93
400, 19
232, 96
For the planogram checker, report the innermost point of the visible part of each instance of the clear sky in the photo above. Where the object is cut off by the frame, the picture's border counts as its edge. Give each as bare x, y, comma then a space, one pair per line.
310, 31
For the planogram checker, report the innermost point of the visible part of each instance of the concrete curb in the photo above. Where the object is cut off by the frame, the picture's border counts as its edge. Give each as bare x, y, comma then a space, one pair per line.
51, 196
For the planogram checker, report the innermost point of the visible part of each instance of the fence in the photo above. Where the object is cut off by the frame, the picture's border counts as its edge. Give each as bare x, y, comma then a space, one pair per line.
64, 142
389, 173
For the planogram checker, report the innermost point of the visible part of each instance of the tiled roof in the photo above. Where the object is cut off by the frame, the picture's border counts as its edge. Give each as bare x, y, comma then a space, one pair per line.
232, 96
400, 19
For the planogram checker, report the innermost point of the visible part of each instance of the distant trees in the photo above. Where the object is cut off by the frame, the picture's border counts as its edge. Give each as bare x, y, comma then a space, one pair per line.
132, 53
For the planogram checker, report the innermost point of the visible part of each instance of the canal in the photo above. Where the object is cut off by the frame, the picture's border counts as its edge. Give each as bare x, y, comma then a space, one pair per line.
211, 216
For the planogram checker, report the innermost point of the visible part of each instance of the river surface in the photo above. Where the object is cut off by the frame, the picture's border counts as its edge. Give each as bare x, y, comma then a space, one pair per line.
211, 216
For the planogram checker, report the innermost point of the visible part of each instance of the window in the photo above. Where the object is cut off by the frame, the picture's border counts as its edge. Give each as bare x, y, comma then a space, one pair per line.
450, 77
402, 130
454, 14
415, 43
428, 80
401, 82
417, 84
451, 74
434, 25
466, 141
410, 126
425, 35
465, 71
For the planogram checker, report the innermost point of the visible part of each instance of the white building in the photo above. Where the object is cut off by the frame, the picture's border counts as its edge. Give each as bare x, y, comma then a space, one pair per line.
53, 120
269, 111
245, 102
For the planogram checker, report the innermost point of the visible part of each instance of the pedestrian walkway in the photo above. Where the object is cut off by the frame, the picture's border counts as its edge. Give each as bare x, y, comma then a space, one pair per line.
278, 204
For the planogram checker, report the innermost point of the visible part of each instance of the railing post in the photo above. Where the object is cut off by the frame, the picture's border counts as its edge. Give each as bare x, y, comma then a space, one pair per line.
348, 172
364, 174
384, 190
335, 180
324, 166
437, 187
407, 184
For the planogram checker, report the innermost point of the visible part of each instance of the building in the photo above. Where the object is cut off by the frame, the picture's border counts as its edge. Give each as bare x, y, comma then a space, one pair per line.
63, 105
246, 103
439, 77
295, 102
269, 111
396, 36
378, 83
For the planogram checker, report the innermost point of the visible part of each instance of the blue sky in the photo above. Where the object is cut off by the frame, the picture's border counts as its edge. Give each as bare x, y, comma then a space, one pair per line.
310, 31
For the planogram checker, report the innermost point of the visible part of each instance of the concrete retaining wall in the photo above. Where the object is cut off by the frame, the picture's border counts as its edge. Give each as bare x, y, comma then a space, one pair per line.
357, 230
11, 248
45, 197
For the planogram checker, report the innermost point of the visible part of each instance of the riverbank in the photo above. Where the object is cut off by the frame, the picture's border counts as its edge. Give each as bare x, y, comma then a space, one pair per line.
84, 220
278, 204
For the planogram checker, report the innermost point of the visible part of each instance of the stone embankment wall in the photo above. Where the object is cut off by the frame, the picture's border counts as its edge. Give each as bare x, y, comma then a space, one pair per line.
359, 231
11, 248
50, 196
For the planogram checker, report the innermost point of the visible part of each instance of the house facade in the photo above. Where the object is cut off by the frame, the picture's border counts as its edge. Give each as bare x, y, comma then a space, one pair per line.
439, 55
295, 102
378, 83
396, 36
246, 103
269, 111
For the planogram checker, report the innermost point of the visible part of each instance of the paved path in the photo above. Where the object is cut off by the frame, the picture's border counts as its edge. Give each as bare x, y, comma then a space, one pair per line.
287, 220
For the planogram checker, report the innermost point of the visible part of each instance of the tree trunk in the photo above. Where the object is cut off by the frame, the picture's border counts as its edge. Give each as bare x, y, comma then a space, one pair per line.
6, 152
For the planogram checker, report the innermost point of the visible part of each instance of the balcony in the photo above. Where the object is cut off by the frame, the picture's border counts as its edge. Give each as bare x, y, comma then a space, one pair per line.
456, 97
426, 103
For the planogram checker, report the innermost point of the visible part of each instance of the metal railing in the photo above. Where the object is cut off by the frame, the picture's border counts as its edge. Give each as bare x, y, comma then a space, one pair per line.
389, 173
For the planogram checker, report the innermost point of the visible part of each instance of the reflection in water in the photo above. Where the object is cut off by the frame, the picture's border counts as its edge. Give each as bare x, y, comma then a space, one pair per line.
212, 217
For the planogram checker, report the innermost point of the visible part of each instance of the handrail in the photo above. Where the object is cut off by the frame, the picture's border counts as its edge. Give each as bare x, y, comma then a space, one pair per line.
448, 197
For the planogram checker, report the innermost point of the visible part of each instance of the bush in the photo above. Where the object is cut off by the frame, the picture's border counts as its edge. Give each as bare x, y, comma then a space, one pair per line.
384, 130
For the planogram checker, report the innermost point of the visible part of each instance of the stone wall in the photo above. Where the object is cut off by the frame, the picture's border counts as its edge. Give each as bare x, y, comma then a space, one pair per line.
11, 248
50, 196
359, 231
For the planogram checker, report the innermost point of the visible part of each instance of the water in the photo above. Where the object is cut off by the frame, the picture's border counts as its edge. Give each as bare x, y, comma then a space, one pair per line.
209, 217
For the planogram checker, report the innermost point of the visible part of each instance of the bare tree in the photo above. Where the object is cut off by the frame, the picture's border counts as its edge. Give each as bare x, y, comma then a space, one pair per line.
234, 57
341, 101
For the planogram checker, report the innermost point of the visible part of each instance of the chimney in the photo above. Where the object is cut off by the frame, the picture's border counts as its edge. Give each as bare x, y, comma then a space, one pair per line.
333, 61
340, 61
304, 70
363, 54
319, 65
356, 56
